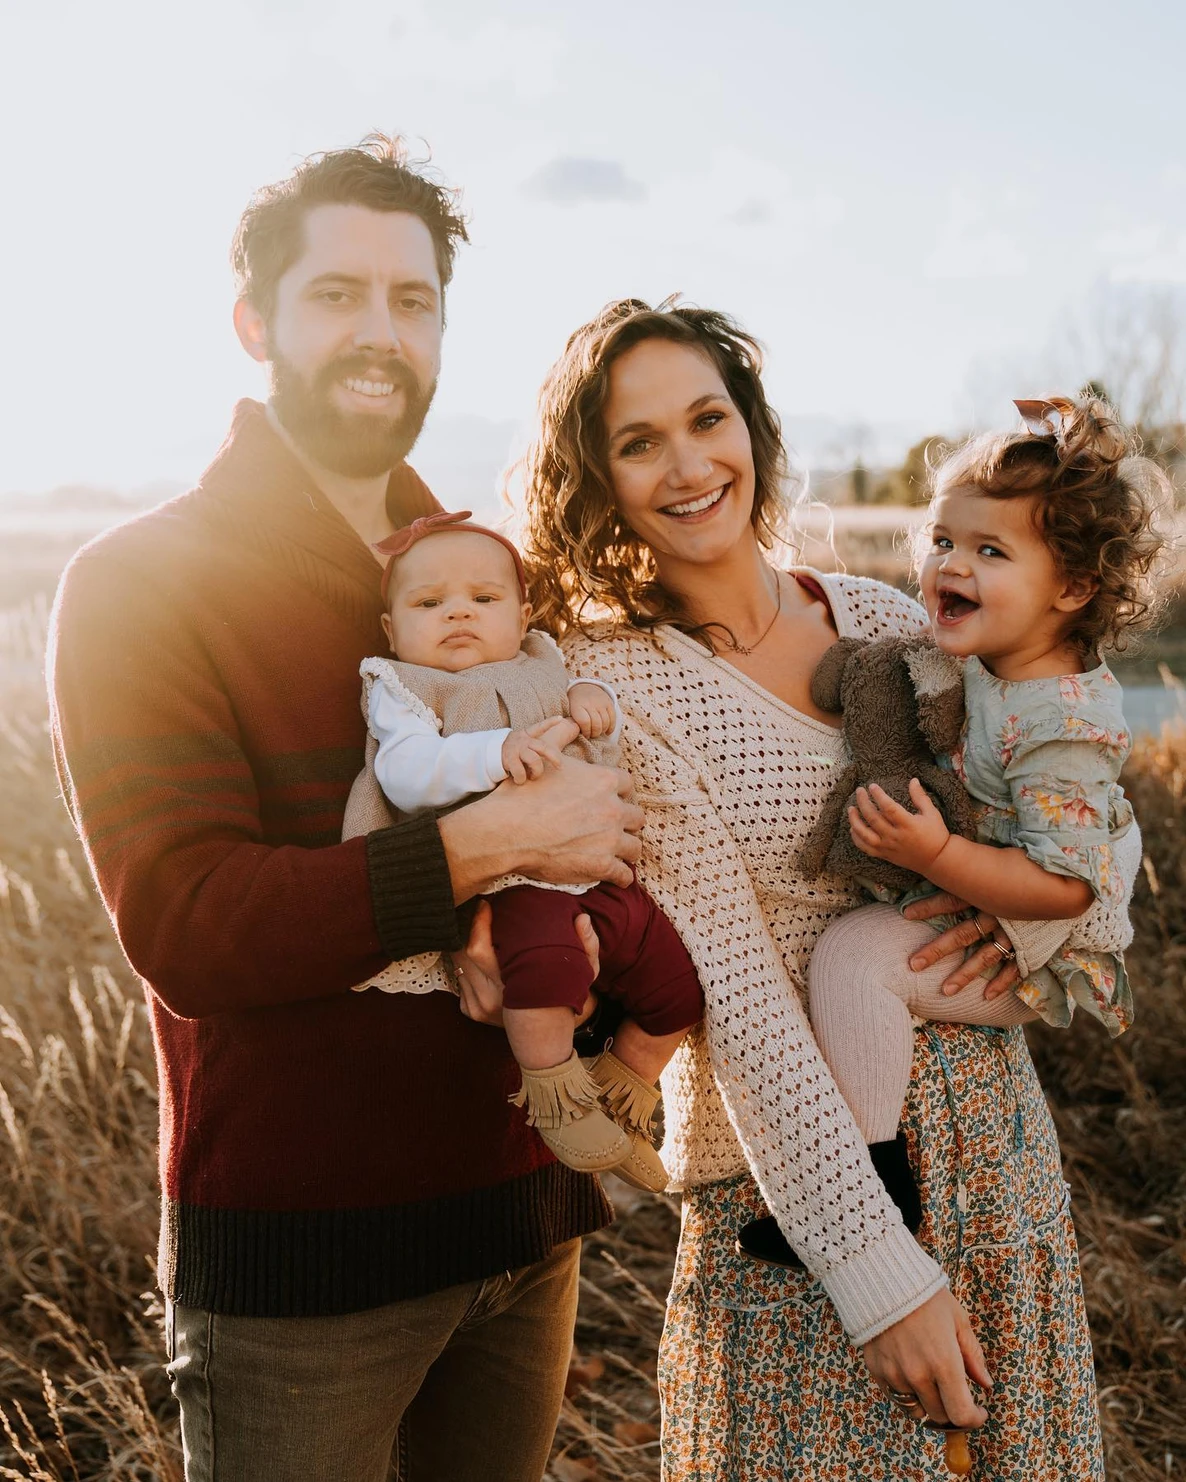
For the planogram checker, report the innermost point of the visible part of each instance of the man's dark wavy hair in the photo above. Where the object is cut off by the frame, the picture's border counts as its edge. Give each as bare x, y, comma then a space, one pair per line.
378, 173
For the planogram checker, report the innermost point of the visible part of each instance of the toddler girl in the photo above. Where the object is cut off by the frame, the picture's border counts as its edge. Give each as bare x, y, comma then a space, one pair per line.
1041, 544
472, 698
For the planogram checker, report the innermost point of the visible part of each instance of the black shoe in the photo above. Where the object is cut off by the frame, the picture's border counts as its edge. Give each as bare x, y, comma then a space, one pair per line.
762, 1240
893, 1167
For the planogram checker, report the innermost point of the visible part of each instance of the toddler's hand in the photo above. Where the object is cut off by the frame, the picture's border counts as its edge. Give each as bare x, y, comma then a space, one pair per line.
525, 754
884, 829
592, 709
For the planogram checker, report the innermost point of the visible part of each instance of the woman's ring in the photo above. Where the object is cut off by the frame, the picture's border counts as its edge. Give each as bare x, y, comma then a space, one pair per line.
1006, 952
984, 934
909, 1403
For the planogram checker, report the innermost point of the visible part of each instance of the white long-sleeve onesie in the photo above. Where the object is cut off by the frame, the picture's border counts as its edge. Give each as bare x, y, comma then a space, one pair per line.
417, 767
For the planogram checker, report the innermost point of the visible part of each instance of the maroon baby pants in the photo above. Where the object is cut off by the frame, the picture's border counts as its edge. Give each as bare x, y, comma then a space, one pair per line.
644, 965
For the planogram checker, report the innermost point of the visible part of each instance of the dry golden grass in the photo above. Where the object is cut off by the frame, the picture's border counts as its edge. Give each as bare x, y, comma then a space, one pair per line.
82, 1390
1121, 1114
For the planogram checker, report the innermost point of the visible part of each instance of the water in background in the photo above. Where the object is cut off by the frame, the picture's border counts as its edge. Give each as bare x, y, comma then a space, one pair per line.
1148, 706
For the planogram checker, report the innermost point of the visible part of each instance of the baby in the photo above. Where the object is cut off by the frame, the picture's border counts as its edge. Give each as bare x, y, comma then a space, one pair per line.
472, 698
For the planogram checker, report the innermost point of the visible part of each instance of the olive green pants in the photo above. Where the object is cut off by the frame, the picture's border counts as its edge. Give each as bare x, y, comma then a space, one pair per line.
463, 1385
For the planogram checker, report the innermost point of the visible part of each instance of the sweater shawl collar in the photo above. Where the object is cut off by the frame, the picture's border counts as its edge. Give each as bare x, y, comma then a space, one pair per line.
260, 493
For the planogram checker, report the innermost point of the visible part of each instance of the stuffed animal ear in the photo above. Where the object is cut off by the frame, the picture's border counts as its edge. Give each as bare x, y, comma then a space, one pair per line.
829, 672
939, 690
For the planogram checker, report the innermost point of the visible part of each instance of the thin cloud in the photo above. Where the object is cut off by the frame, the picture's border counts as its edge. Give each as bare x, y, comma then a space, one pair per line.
569, 180
970, 246
1145, 254
751, 213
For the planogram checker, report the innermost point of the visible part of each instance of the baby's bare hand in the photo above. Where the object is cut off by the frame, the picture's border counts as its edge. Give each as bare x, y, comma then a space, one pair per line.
525, 756
556, 730
592, 710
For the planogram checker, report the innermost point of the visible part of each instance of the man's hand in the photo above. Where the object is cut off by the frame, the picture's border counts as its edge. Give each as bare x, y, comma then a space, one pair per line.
884, 829
932, 1353
985, 962
592, 709
572, 825
479, 981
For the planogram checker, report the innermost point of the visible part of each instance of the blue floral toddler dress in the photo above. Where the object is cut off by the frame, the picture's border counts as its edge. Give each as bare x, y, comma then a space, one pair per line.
1041, 759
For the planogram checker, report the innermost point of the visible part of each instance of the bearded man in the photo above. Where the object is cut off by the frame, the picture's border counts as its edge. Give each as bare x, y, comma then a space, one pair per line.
361, 1268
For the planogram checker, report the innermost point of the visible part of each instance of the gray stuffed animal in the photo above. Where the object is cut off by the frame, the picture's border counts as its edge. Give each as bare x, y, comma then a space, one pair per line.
903, 704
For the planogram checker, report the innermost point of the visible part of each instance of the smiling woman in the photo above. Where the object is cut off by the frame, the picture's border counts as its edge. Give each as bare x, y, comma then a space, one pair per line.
684, 474
652, 493
693, 467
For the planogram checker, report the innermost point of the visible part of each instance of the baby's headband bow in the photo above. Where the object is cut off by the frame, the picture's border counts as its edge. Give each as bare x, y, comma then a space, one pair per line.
439, 524
1044, 416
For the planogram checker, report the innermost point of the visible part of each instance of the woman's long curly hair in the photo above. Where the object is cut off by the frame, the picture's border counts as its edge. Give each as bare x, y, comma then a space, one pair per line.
1097, 503
582, 557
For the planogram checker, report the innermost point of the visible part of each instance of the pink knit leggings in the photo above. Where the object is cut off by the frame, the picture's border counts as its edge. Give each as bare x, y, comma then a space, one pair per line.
862, 996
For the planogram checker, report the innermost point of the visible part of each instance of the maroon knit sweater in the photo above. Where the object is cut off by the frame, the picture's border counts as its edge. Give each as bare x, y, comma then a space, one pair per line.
322, 1151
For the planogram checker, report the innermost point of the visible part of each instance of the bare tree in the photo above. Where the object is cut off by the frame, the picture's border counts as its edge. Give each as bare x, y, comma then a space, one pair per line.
1127, 341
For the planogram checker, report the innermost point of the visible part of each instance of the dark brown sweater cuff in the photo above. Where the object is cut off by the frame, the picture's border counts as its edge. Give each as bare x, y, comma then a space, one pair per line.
411, 889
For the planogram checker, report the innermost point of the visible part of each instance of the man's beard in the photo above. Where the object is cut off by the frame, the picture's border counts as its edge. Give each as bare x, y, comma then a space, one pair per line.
358, 445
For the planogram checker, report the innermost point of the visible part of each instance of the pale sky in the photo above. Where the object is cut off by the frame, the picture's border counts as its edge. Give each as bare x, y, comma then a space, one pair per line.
890, 196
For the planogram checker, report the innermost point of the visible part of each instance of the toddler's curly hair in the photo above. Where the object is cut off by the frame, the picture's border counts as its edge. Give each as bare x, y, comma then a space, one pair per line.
1097, 505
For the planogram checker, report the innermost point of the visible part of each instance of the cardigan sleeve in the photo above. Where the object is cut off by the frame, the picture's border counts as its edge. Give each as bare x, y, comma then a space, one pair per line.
794, 1126
147, 747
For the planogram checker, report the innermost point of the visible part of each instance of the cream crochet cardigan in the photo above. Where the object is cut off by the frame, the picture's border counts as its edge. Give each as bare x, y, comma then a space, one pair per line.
731, 779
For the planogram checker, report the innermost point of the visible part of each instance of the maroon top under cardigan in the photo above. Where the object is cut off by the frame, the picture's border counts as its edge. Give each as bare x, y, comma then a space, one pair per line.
322, 1151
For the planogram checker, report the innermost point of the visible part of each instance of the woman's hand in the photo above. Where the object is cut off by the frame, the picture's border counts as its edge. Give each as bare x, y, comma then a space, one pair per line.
993, 960
479, 981
932, 1353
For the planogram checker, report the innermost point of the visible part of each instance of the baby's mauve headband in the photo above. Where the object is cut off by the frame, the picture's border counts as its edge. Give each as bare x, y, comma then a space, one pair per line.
439, 524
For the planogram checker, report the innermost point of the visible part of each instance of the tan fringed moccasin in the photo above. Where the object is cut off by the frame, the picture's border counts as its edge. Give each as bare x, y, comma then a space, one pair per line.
631, 1102
563, 1107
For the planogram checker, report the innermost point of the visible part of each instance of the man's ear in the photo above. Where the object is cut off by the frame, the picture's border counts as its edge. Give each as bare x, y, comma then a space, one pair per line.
251, 329
387, 633
1076, 594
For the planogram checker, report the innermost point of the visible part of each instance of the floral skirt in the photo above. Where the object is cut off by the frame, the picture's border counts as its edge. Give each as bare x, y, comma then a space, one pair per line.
757, 1378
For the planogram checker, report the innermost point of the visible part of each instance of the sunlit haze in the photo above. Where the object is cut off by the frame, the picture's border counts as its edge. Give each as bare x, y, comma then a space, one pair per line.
892, 197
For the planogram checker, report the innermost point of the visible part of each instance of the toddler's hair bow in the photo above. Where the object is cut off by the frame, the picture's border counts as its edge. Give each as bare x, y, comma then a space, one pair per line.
1087, 434
1044, 417
397, 545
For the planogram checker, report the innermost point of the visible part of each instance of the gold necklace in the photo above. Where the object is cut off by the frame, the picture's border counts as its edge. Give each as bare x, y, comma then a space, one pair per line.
748, 648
